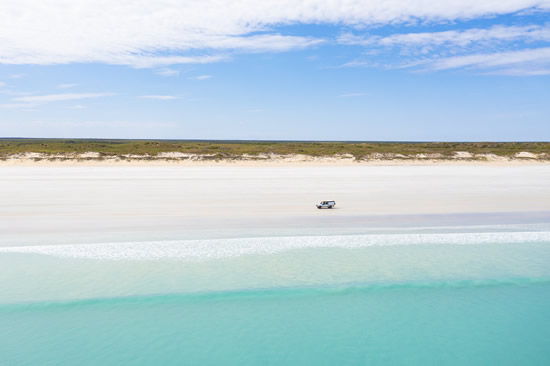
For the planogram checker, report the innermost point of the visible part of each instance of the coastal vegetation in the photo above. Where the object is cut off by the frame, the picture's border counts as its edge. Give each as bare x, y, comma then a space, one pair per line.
217, 150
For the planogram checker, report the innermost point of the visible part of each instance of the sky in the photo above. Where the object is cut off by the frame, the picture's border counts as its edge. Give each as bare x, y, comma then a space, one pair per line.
417, 70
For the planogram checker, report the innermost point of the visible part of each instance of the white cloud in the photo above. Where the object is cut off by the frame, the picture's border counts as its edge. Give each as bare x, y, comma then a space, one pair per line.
14, 93
358, 63
506, 50
2, 84
66, 86
146, 61
59, 97
526, 62
160, 97
453, 38
351, 95
151, 33
517, 71
201, 77
17, 105
494, 59
168, 72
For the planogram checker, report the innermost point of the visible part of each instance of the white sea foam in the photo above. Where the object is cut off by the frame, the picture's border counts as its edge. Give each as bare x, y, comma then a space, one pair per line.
198, 250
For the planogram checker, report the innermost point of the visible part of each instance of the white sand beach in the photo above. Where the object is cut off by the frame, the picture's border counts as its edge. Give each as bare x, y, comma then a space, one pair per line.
68, 204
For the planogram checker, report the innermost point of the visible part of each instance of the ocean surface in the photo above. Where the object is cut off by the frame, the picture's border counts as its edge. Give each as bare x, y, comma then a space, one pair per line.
465, 295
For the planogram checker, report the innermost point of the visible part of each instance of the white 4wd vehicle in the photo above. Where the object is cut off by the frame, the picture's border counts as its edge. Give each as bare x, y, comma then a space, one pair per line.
326, 204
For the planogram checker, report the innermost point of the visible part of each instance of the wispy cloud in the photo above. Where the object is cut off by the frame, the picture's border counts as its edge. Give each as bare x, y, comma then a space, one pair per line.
78, 106
2, 84
168, 72
352, 95
201, 77
505, 50
453, 38
18, 105
358, 63
66, 86
160, 97
143, 33
524, 62
39, 99
139, 61
14, 93
518, 71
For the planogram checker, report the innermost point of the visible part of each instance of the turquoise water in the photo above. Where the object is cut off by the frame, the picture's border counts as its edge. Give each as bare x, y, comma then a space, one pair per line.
456, 298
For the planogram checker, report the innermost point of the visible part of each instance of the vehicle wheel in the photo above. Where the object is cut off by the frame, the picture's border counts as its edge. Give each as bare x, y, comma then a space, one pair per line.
329, 206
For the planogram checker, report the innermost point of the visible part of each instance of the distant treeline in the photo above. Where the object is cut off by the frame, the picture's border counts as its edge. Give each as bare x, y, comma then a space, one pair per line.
234, 149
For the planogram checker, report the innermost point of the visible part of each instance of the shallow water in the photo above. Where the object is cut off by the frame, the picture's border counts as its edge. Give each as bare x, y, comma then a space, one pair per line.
467, 323
452, 296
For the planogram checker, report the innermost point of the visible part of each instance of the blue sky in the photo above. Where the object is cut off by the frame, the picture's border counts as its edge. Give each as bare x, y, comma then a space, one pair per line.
316, 70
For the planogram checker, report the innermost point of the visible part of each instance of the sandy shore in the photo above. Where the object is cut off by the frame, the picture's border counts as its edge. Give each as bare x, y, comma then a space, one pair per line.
320, 162
185, 159
65, 204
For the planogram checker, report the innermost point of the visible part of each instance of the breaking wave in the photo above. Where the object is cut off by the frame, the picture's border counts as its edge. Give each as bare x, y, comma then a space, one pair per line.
198, 250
